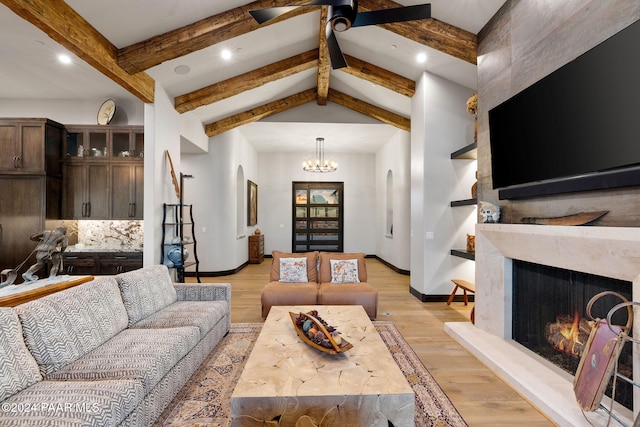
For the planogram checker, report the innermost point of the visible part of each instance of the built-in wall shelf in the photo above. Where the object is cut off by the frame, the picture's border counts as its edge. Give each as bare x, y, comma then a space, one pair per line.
468, 152
465, 202
463, 254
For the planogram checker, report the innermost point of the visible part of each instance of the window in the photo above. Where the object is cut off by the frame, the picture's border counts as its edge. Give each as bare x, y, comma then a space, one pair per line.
317, 216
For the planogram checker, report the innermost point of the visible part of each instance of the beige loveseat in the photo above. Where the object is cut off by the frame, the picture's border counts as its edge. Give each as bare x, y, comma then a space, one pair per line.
318, 288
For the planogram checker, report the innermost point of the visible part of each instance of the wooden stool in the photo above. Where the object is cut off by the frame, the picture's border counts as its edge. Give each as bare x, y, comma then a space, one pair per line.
466, 287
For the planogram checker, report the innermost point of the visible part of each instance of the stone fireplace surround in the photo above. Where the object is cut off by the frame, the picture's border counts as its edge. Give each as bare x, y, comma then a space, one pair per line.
606, 251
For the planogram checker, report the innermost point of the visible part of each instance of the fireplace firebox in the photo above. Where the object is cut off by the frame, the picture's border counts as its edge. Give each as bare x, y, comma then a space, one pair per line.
549, 318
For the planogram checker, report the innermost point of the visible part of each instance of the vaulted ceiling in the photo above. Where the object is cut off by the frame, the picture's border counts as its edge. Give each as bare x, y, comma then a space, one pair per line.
125, 47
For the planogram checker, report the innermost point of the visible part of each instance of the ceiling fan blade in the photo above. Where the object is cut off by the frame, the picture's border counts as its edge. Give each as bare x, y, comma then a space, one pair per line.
263, 15
397, 14
335, 53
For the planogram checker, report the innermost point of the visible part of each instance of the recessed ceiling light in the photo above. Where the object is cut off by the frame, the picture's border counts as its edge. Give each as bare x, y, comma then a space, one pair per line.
226, 54
65, 59
182, 70
421, 57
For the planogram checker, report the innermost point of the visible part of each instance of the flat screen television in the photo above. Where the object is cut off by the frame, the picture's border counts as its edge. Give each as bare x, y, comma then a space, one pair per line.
577, 129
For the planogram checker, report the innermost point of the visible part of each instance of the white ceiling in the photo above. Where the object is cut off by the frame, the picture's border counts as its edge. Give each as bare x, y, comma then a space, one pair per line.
30, 68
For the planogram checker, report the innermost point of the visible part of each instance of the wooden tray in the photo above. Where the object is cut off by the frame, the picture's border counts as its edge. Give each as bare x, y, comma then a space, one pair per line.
335, 349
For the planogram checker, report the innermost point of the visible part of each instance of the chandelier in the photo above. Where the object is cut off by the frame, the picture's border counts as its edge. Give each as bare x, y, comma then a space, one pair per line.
319, 163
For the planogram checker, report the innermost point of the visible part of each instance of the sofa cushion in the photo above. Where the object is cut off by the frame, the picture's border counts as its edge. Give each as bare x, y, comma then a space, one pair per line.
312, 264
293, 270
145, 291
324, 271
202, 314
344, 271
278, 293
73, 403
143, 354
353, 294
19, 369
62, 327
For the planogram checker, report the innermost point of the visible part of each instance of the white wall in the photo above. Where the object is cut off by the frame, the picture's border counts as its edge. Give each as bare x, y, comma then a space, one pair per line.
213, 192
440, 125
394, 156
73, 111
276, 173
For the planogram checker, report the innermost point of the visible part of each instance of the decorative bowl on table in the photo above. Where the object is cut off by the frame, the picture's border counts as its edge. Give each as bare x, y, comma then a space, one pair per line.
313, 330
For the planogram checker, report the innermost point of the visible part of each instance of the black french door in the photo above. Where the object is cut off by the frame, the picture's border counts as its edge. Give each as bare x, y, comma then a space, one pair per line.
318, 216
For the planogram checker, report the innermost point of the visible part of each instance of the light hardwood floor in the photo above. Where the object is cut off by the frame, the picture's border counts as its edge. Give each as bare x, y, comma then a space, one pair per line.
481, 398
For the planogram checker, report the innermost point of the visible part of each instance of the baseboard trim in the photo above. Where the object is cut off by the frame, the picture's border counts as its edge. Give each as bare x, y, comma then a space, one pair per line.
439, 298
391, 266
216, 273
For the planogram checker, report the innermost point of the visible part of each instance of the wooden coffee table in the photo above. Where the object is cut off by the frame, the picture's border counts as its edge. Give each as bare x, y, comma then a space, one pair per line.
287, 380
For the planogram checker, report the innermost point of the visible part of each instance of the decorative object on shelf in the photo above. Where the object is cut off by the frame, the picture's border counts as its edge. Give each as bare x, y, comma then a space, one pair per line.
106, 112
318, 163
472, 108
257, 232
472, 104
252, 203
474, 188
175, 257
489, 212
313, 330
173, 175
471, 243
580, 218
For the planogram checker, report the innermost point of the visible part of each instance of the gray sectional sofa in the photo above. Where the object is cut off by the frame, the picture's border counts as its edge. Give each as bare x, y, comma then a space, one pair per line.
111, 352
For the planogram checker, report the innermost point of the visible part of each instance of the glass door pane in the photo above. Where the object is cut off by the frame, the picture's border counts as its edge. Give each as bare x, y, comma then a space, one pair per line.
317, 211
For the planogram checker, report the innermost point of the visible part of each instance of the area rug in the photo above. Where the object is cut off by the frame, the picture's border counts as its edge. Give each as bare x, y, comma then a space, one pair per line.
205, 399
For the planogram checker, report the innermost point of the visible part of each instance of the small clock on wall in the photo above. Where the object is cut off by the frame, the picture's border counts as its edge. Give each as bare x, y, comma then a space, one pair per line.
106, 112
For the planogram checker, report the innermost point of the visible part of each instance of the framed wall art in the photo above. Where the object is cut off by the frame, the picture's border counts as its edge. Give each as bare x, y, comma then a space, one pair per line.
252, 203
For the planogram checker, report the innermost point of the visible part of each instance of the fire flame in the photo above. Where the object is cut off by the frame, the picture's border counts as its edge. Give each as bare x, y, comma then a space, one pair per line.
571, 336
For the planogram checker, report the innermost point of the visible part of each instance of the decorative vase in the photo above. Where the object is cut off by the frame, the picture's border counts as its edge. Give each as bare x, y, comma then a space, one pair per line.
174, 255
471, 243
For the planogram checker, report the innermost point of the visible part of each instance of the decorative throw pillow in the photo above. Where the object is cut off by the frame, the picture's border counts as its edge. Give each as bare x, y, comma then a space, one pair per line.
293, 270
19, 368
344, 271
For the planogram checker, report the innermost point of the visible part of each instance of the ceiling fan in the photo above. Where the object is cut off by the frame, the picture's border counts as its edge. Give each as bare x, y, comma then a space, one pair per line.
343, 14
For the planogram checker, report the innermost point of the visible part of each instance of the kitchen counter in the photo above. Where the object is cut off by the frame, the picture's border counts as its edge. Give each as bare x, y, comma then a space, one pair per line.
73, 249
101, 261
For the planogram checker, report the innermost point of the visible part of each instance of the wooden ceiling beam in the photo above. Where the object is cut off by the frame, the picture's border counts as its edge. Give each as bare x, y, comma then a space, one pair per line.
431, 32
271, 108
379, 76
201, 34
324, 62
64, 25
370, 110
260, 112
250, 80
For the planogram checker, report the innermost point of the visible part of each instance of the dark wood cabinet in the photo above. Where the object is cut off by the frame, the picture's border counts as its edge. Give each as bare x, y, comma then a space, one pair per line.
79, 263
127, 191
30, 146
256, 248
86, 191
30, 184
101, 263
21, 215
104, 142
120, 263
104, 172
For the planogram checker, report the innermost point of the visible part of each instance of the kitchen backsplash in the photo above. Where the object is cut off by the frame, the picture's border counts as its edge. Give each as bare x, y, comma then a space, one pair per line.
102, 234
111, 234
